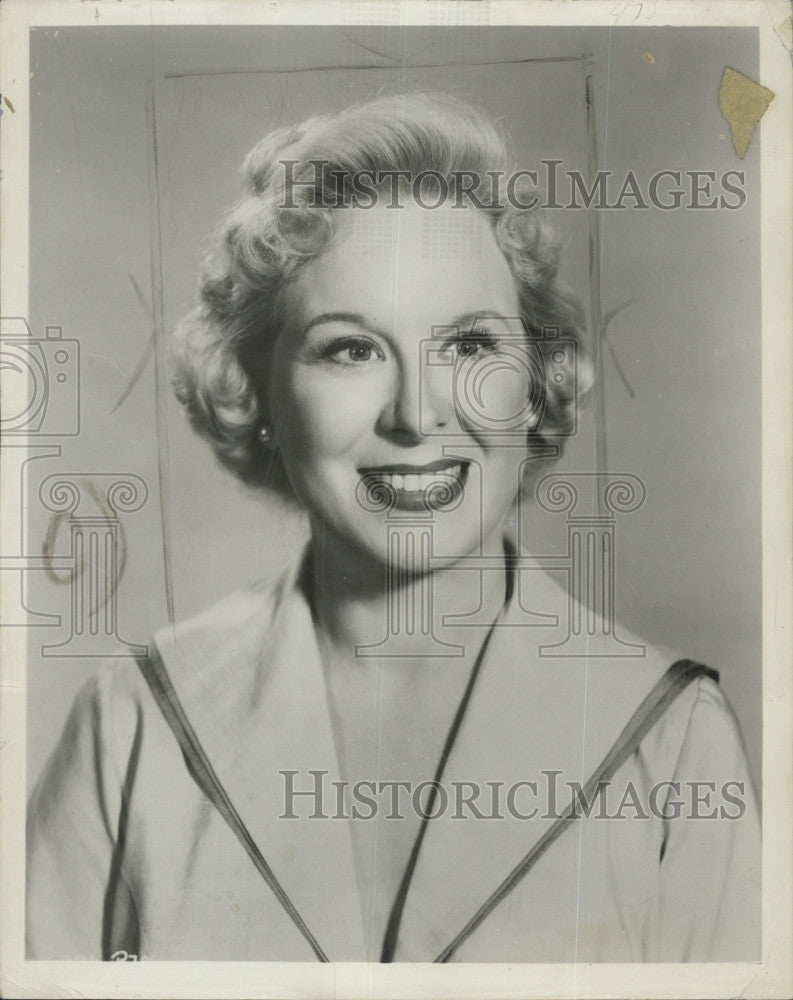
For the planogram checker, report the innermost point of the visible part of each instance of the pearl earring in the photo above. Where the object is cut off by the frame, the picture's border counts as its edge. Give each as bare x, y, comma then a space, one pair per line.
265, 434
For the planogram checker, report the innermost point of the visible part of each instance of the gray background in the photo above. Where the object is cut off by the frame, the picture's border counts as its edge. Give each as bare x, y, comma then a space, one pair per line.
115, 246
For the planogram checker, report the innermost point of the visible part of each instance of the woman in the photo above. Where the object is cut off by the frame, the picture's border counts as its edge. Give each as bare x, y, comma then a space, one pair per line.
350, 764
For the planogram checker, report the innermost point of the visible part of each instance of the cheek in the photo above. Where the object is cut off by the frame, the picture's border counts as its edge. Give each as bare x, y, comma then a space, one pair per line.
495, 395
500, 485
324, 417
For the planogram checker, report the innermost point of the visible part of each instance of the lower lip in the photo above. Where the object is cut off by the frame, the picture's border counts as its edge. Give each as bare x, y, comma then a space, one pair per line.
444, 492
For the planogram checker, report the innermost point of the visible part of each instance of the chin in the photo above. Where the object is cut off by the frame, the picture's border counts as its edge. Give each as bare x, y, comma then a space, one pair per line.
410, 543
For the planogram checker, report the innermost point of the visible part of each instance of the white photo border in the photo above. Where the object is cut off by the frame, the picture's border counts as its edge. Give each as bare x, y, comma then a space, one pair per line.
773, 977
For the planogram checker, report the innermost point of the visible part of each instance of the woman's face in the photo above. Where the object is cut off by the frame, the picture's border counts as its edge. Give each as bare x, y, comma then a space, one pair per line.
400, 359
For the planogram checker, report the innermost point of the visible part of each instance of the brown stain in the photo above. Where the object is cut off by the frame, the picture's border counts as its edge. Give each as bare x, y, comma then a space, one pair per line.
48, 547
649, 58
743, 102
9, 105
49, 541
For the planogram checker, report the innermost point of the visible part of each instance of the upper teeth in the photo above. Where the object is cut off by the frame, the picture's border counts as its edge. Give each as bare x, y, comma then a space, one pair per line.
415, 483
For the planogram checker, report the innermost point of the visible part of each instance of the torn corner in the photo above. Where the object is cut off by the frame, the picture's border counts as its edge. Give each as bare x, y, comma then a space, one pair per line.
743, 102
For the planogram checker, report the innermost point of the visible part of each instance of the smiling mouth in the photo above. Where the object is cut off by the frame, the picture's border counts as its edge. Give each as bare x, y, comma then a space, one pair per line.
434, 486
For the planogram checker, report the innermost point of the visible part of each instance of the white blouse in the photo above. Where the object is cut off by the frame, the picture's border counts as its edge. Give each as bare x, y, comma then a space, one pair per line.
126, 853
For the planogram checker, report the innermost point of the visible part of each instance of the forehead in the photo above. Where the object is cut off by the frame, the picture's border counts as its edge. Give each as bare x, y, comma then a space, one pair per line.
429, 264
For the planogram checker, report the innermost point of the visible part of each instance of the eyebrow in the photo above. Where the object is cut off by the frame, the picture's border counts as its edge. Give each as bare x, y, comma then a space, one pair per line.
357, 320
442, 329
342, 317
479, 314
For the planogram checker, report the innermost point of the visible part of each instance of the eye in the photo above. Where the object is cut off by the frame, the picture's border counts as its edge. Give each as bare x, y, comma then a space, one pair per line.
472, 342
353, 351
468, 347
359, 352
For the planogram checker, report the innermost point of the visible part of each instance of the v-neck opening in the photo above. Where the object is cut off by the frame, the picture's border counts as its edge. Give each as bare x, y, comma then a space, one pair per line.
360, 863
394, 922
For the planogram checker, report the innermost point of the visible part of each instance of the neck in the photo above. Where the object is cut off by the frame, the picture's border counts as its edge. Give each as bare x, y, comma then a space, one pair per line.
351, 596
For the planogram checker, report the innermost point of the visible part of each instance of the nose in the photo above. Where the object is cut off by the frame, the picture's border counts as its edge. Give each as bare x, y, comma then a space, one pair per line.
419, 404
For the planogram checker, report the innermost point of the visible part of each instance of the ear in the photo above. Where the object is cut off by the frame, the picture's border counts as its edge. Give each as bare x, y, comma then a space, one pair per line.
266, 436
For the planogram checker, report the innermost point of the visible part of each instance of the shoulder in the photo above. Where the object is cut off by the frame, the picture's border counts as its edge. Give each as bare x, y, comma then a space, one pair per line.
616, 659
712, 740
697, 738
235, 628
106, 719
118, 686
86, 769
216, 668
116, 706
